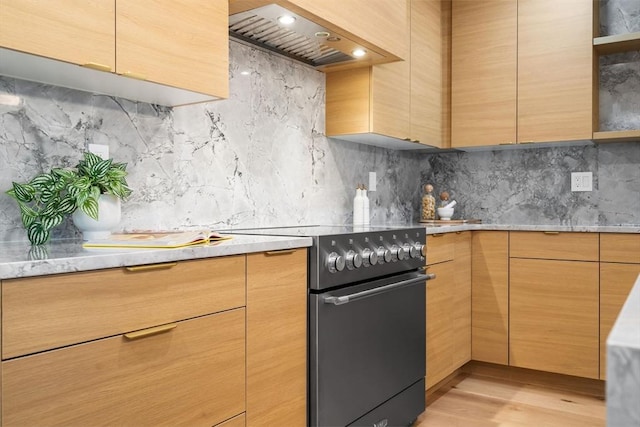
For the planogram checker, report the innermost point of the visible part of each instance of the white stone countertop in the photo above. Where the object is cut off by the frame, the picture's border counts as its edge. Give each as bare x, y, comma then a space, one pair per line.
623, 364
21, 260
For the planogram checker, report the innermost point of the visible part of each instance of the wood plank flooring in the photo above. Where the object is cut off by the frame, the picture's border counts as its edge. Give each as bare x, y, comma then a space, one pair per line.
475, 400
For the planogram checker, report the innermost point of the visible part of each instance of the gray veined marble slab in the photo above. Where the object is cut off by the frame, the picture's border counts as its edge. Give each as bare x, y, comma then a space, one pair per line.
19, 259
623, 365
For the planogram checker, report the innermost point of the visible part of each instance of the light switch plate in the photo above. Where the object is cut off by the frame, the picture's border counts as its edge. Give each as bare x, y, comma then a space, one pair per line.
372, 181
581, 181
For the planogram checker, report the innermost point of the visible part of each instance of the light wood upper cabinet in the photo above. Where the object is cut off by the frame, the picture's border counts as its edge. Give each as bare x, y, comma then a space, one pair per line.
76, 31
180, 49
277, 338
403, 104
522, 71
483, 72
555, 70
174, 43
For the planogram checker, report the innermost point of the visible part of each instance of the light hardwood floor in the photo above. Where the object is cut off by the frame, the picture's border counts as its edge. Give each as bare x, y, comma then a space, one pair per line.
476, 400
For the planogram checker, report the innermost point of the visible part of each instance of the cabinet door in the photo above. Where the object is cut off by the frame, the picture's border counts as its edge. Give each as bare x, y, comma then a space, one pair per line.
277, 338
616, 281
429, 103
192, 375
439, 323
483, 72
379, 22
462, 300
76, 31
490, 297
182, 43
555, 70
553, 321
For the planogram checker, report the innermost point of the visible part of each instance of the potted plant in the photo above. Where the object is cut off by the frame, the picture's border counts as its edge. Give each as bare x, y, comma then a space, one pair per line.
49, 197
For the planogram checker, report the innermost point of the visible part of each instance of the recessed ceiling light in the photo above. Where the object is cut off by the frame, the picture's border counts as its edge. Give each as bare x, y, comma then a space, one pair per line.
358, 53
286, 19
322, 34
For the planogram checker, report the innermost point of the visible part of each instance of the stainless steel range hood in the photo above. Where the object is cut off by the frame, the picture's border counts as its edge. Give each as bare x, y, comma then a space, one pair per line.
304, 40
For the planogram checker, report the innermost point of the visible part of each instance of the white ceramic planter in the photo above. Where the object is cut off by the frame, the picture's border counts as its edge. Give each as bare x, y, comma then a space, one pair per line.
109, 211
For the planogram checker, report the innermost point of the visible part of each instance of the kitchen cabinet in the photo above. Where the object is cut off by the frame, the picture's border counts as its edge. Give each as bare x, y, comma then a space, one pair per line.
277, 338
173, 54
402, 105
522, 72
554, 303
490, 297
159, 344
76, 31
448, 304
619, 269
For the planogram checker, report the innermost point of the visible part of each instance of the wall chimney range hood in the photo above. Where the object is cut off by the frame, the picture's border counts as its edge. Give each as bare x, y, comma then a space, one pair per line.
302, 40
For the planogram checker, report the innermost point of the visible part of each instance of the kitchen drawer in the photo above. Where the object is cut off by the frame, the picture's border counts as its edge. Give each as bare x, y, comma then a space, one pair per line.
42, 313
440, 247
619, 247
554, 245
191, 375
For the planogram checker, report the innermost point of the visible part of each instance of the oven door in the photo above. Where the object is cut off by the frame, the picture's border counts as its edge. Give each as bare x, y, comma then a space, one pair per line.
367, 345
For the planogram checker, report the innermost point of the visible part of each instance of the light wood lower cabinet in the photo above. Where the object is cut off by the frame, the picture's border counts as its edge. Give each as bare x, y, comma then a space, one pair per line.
490, 297
277, 338
193, 374
619, 269
553, 322
448, 304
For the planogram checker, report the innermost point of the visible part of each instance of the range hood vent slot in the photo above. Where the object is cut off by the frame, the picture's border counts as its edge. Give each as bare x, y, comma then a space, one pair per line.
260, 27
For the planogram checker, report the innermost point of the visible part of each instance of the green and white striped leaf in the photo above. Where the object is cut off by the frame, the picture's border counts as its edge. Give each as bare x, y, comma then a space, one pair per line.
67, 205
27, 215
42, 181
50, 222
66, 174
90, 207
23, 192
99, 170
37, 234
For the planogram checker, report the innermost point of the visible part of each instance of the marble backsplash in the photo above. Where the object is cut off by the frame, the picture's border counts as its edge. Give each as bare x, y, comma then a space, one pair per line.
256, 159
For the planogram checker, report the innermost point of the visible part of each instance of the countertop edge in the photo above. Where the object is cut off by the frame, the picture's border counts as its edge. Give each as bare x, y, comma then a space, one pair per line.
70, 257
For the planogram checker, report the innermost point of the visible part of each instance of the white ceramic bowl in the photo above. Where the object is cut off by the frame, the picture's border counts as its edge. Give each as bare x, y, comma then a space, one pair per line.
445, 213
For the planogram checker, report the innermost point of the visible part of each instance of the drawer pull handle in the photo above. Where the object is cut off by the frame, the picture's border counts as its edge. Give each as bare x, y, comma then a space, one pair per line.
437, 235
551, 233
151, 266
507, 143
281, 252
136, 76
143, 333
96, 66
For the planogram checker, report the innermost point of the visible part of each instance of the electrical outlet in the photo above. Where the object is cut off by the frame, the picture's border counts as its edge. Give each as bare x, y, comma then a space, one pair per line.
581, 181
101, 150
372, 181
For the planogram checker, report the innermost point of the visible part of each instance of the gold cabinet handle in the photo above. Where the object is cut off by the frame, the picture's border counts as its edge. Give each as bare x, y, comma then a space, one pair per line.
151, 266
551, 232
507, 143
96, 66
133, 75
281, 252
436, 235
143, 333
527, 142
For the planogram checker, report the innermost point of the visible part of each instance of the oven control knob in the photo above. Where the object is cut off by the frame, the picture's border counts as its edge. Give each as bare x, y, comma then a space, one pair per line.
369, 257
384, 255
397, 253
412, 250
335, 262
423, 249
354, 260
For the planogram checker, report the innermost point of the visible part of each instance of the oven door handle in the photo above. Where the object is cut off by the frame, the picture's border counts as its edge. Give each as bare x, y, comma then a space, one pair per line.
359, 295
